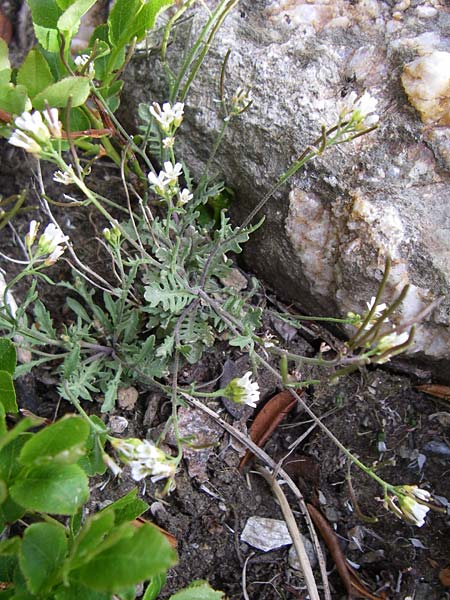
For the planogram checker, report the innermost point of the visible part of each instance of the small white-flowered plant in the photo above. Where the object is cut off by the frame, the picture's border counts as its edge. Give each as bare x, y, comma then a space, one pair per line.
144, 459
32, 124
241, 101
81, 61
184, 197
32, 233
410, 503
166, 181
53, 123
22, 140
243, 390
65, 177
360, 111
51, 241
388, 342
169, 117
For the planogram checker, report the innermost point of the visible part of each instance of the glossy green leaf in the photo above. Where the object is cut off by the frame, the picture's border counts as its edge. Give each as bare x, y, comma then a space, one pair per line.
56, 441
22, 425
44, 547
54, 489
10, 511
57, 94
7, 392
8, 356
147, 554
2, 420
70, 19
198, 590
34, 73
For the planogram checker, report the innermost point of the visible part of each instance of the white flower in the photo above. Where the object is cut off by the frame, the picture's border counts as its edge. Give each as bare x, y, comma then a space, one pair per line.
243, 391
144, 459
414, 511
169, 117
53, 124
7, 299
32, 124
81, 61
379, 309
391, 341
51, 239
184, 197
32, 232
53, 257
159, 182
360, 110
22, 140
65, 177
172, 172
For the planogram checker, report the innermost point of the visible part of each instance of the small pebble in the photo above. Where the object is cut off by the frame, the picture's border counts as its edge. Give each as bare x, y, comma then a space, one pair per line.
437, 447
117, 424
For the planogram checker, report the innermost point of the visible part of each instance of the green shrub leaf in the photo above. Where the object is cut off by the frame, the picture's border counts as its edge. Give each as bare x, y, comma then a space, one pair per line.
127, 508
7, 393
7, 356
148, 554
70, 19
56, 442
54, 489
34, 73
198, 590
44, 546
57, 94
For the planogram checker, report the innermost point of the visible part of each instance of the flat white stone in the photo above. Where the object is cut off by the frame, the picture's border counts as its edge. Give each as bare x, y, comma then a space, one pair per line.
266, 534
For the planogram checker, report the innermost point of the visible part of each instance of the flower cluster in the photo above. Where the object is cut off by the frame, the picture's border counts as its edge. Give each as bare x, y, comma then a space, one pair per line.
169, 117
243, 390
51, 242
144, 459
360, 111
33, 133
410, 503
165, 184
65, 177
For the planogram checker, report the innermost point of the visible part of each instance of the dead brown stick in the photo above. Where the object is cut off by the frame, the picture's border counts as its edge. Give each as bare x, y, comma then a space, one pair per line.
294, 532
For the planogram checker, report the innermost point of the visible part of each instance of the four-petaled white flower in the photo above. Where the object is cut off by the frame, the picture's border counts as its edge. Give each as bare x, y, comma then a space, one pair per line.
32, 124
184, 197
22, 140
65, 177
169, 117
144, 459
32, 232
53, 124
360, 111
388, 342
81, 61
412, 504
51, 239
53, 257
172, 172
166, 181
243, 390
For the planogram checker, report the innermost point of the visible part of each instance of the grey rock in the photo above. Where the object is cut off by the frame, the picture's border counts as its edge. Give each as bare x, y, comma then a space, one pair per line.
328, 231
